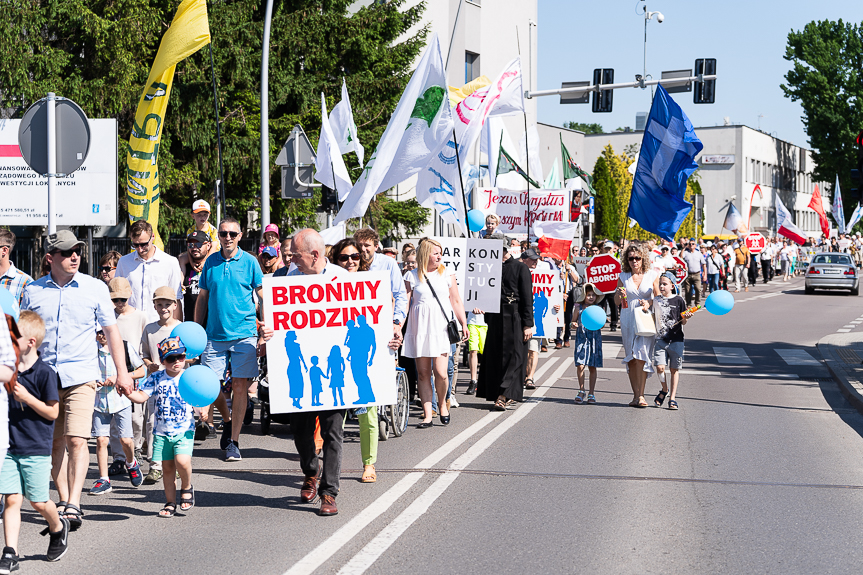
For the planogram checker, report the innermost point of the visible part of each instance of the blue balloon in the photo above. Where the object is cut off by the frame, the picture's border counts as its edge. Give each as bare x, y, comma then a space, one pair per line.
8, 303
193, 336
199, 386
475, 220
719, 302
593, 318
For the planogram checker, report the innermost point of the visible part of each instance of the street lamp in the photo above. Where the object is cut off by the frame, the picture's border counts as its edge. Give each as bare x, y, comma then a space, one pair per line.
660, 17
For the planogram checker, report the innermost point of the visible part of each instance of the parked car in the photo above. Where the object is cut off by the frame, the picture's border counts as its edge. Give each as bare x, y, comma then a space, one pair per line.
831, 270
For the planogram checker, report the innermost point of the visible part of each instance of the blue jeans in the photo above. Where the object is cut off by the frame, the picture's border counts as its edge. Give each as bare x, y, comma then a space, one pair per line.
450, 373
712, 282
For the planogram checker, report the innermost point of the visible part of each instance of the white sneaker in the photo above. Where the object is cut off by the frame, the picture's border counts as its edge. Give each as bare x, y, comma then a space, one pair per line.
453, 402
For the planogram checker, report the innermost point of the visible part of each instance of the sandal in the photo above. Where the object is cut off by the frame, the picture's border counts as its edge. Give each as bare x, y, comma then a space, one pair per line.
169, 510
511, 404
530, 385
75, 517
187, 503
591, 399
672, 404
369, 475
660, 397
580, 397
500, 405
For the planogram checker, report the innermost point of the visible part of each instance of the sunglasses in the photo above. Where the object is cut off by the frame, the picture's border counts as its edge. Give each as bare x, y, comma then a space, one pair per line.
100, 333
119, 299
224, 234
195, 244
346, 257
634, 259
176, 357
68, 253
106, 269
267, 256
142, 244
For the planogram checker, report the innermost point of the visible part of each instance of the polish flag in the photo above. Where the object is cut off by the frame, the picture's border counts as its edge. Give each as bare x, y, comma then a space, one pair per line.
555, 238
786, 224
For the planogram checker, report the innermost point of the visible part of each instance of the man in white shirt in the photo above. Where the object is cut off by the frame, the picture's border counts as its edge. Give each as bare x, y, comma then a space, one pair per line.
149, 268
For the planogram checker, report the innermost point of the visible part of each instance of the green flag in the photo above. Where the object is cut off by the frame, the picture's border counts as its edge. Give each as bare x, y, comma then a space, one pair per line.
506, 164
573, 170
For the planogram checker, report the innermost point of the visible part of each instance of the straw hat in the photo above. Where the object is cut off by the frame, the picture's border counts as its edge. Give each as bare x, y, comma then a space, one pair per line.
599, 296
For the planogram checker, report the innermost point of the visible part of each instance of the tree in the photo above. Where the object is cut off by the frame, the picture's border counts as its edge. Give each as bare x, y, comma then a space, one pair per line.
826, 78
99, 54
582, 127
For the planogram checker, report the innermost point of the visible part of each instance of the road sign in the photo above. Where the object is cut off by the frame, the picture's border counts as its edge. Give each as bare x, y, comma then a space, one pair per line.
72, 136
603, 271
297, 159
755, 242
681, 271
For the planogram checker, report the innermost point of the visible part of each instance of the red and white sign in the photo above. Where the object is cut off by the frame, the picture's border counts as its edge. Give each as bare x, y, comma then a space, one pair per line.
519, 210
547, 295
755, 242
603, 271
681, 272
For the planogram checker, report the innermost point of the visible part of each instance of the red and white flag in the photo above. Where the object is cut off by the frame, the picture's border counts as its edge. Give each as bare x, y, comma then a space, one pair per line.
555, 238
786, 224
815, 204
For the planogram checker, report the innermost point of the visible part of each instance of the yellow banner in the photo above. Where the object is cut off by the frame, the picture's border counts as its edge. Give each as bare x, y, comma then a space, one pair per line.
456, 95
189, 32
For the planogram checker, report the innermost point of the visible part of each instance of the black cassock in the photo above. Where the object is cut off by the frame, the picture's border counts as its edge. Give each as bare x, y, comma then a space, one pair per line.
503, 359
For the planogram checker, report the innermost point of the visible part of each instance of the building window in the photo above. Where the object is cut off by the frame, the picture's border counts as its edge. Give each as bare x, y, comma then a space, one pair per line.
471, 66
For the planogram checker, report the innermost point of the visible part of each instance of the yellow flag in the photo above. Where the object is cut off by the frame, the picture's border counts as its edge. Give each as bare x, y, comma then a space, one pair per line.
189, 32
456, 95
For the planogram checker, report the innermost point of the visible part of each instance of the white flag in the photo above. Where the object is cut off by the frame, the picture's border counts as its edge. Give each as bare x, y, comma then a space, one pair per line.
552, 181
344, 127
494, 132
855, 217
330, 169
838, 211
438, 187
419, 128
334, 235
528, 147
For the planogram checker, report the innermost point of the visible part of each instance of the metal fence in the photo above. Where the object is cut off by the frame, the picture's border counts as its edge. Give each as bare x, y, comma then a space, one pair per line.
27, 254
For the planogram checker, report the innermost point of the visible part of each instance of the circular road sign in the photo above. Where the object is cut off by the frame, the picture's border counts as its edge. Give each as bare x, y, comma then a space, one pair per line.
603, 271
72, 139
681, 271
755, 242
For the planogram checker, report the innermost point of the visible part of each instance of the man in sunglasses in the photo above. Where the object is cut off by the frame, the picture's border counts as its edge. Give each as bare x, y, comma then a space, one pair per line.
191, 264
227, 311
368, 239
695, 267
148, 268
11, 277
74, 306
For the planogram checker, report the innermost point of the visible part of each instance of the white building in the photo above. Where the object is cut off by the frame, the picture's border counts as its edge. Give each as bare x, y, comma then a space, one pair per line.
733, 161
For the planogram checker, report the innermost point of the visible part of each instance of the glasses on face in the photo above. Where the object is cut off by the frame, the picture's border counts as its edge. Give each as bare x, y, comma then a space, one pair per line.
119, 299
267, 256
594, 251
177, 357
194, 244
107, 269
141, 244
634, 259
68, 253
345, 257
225, 234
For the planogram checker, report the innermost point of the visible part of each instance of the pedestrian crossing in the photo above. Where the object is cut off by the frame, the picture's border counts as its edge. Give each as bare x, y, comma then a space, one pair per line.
738, 356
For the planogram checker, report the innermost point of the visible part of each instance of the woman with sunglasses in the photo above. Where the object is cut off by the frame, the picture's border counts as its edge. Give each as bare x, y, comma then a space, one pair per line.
108, 266
346, 254
636, 287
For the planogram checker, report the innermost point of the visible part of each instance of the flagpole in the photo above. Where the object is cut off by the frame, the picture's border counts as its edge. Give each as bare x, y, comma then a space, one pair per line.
220, 195
461, 182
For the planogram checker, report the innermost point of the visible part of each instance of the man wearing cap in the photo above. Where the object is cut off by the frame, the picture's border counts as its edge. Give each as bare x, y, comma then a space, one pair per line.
227, 311
148, 268
201, 215
11, 277
191, 263
74, 306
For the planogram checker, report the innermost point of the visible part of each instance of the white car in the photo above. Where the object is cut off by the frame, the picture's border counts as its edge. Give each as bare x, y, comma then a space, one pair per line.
832, 270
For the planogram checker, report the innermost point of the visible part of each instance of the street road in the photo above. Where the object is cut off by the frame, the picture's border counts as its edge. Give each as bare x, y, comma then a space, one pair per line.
759, 471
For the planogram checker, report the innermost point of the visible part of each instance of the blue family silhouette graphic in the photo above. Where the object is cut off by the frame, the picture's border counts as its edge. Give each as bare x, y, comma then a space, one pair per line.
315, 375
296, 382
540, 309
336, 374
361, 345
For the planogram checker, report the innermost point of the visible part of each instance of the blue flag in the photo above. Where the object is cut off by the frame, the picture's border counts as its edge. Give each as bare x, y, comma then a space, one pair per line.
665, 162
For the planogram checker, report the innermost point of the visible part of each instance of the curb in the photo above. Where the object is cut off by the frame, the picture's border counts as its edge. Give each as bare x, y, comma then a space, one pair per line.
853, 393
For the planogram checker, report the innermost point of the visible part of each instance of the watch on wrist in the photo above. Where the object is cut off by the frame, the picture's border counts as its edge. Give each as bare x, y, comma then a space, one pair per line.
397, 322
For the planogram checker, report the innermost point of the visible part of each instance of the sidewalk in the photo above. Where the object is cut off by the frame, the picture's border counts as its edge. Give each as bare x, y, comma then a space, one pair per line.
843, 354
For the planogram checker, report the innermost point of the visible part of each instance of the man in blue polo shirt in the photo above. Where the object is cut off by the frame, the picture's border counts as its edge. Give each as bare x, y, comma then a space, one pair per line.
368, 239
227, 311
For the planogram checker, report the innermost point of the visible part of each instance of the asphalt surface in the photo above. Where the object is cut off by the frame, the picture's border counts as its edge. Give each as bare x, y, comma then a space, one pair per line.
758, 471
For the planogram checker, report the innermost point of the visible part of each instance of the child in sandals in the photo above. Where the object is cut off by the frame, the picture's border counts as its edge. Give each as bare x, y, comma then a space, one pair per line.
588, 343
174, 431
671, 316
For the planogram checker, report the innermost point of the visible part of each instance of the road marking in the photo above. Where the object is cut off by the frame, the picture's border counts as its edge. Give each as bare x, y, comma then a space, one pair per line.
611, 350
330, 546
731, 356
682, 371
852, 326
771, 375
360, 562
842, 330
857, 321
797, 357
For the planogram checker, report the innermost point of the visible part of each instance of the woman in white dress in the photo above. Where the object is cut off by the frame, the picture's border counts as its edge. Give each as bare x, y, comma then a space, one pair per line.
635, 289
425, 335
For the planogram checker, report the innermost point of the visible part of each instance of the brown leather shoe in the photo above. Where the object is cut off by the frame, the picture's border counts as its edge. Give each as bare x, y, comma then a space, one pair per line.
566, 344
309, 490
328, 506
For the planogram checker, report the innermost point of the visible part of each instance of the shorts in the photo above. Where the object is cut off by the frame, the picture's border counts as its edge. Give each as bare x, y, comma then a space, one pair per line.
28, 475
668, 353
76, 411
166, 447
476, 337
102, 423
533, 344
241, 355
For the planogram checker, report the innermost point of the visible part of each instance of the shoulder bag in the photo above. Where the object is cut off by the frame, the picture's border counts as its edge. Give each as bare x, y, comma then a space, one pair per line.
452, 330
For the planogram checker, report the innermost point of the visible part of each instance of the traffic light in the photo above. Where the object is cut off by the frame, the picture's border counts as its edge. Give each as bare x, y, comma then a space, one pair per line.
705, 92
329, 199
602, 100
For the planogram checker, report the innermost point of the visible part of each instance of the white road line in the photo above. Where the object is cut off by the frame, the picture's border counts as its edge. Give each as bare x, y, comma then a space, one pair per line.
390, 534
842, 330
731, 356
797, 357
611, 350
857, 321
849, 326
771, 375
330, 546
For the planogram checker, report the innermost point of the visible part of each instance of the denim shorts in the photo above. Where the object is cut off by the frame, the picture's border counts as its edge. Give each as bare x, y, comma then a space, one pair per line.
240, 354
28, 475
102, 423
166, 447
668, 353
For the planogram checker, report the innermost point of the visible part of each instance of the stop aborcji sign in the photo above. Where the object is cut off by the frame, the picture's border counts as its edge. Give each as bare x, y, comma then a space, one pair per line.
603, 271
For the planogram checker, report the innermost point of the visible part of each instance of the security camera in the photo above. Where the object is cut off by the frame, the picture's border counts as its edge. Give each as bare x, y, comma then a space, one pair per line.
659, 17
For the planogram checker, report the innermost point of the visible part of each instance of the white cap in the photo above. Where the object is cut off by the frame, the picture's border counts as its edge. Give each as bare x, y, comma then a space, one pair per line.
200, 206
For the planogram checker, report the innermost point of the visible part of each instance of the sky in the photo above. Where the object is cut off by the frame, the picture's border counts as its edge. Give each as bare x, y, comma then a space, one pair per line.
748, 40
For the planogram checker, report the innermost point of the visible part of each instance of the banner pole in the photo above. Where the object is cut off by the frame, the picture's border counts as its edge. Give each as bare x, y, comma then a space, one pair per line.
461, 183
220, 195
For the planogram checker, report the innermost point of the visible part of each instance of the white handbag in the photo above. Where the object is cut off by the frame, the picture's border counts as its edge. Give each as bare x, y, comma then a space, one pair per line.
644, 324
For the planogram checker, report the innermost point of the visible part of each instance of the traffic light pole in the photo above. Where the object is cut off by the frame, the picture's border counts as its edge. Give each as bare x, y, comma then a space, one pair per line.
600, 87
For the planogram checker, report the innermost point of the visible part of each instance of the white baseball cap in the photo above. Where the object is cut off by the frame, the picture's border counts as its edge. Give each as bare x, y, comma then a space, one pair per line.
200, 206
